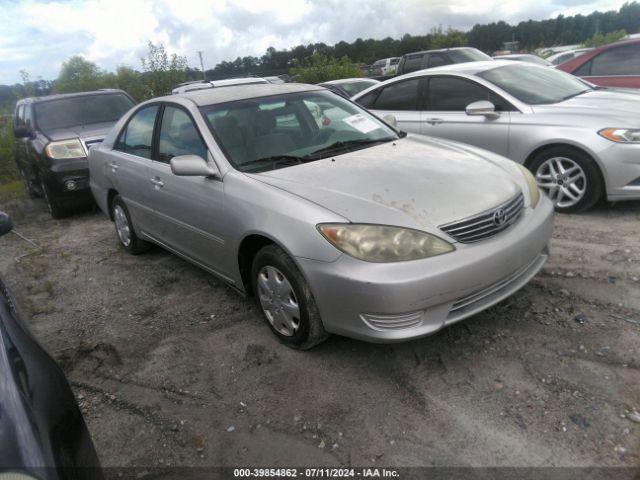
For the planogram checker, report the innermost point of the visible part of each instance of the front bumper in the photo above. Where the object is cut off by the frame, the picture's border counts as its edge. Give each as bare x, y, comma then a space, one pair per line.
68, 181
621, 165
405, 300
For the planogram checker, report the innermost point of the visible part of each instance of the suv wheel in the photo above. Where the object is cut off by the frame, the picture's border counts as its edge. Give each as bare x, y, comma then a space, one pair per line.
55, 209
569, 177
285, 300
32, 191
124, 228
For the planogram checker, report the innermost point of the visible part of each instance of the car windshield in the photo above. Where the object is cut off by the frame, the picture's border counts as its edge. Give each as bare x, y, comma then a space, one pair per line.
278, 131
467, 55
353, 88
81, 110
535, 85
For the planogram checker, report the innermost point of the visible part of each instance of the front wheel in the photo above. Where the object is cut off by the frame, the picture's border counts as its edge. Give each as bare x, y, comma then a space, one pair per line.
569, 177
124, 228
285, 300
54, 207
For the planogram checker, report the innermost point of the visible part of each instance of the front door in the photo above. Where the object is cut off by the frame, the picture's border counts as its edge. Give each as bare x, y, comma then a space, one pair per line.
445, 102
187, 211
400, 99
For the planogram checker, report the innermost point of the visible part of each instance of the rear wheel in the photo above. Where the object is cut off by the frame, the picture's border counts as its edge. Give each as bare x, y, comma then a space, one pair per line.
569, 177
124, 228
285, 300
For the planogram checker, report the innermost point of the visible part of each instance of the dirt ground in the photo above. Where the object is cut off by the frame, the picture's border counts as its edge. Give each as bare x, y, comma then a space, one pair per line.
171, 367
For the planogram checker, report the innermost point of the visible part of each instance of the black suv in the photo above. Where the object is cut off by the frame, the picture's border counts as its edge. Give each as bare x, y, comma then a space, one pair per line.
54, 136
412, 62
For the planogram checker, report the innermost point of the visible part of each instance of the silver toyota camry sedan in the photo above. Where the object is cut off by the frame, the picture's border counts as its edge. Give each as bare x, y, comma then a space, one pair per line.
582, 142
332, 219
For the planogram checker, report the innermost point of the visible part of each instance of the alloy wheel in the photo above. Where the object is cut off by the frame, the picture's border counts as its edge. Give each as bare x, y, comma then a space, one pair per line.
563, 180
122, 225
278, 301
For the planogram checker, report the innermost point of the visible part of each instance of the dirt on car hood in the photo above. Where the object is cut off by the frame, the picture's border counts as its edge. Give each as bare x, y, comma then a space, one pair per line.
415, 182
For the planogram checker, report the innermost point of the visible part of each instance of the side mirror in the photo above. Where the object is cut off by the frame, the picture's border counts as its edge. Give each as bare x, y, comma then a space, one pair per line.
391, 120
5, 224
192, 166
21, 131
482, 107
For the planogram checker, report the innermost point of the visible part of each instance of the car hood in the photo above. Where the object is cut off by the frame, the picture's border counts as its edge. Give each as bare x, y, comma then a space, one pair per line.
416, 182
601, 103
85, 132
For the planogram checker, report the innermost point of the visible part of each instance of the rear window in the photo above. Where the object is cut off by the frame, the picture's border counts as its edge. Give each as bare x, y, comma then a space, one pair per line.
81, 110
467, 55
412, 63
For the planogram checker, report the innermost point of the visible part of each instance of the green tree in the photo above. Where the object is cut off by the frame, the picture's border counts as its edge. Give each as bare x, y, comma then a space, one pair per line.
129, 80
321, 68
79, 75
600, 39
8, 168
162, 71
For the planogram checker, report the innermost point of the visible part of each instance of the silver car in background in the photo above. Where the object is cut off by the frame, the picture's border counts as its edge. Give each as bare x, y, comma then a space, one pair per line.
581, 142
336, 223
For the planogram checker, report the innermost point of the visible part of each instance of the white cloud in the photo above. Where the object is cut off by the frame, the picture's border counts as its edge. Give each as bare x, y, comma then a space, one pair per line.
38, 35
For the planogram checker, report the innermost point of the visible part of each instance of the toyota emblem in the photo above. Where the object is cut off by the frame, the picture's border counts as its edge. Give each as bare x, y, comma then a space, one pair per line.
499, 217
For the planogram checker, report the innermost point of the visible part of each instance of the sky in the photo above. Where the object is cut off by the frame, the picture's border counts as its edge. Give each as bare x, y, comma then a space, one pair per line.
39, 35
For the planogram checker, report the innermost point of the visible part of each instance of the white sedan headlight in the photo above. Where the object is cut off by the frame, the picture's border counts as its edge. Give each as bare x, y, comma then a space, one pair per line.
534, 191
621, 135
65, 149
381, 243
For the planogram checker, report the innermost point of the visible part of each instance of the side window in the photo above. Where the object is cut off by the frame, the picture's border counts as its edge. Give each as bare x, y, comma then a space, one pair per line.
583, 70
450, 94
367, 100
436, 60
19, 120
412, 63
179, 136
399, 96
617, 61
137, 136
26, 119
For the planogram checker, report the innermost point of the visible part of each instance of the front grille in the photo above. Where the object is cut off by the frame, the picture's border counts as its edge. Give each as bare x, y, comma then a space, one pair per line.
498, 289
486, 224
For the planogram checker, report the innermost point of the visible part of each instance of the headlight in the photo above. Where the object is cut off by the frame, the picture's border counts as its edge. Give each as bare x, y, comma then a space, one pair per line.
534, 191
65, 149
380, 243
621, 135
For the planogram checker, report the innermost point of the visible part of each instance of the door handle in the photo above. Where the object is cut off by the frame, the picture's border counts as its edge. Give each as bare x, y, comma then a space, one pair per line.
114, 166
157, 182
434, 121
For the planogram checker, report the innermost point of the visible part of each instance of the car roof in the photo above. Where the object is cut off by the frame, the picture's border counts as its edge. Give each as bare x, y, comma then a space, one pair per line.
633, 41
59, 96
472, 68
214, 96
439, 50
348, 80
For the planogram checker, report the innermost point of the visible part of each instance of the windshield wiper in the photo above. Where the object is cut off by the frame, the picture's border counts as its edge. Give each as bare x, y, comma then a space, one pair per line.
345, 144
277, 160
576, 94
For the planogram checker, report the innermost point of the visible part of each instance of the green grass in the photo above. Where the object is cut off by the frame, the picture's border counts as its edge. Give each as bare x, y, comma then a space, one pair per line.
12, 191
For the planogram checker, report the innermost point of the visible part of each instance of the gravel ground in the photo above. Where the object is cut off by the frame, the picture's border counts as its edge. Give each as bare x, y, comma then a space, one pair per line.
171, 367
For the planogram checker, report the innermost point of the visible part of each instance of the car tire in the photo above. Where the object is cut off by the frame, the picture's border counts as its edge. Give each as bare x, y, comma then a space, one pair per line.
54, 207
28, 185
124, 228
279, 287
569, 177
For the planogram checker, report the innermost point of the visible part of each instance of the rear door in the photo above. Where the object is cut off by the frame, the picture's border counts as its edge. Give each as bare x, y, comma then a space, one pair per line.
129, 161
188, 211
445, 100
400, 99
614, 67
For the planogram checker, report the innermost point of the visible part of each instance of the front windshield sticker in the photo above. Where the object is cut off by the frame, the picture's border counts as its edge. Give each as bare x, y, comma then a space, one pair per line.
361, 123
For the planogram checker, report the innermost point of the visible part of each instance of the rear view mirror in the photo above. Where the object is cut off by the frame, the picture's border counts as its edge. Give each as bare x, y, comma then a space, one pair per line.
391, 120
482, 107
192, 166
5, 224
21, 131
